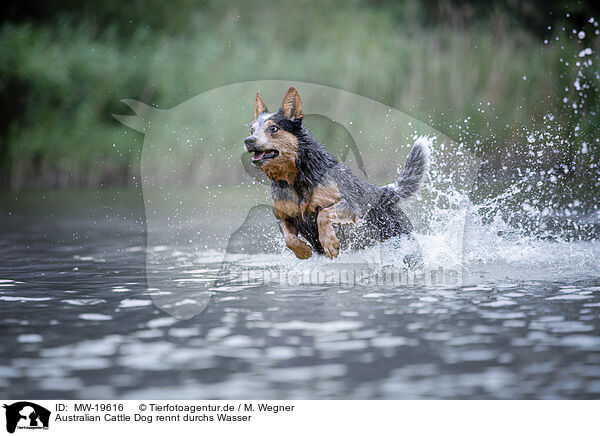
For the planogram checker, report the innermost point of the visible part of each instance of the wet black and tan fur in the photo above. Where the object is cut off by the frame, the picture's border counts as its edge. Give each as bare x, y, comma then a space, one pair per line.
312, 191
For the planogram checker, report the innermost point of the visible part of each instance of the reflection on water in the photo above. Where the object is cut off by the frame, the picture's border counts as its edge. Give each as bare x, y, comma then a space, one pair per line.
78, 322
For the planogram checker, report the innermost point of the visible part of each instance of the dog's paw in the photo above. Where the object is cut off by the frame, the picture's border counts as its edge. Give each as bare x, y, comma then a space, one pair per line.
331, 245
302, 250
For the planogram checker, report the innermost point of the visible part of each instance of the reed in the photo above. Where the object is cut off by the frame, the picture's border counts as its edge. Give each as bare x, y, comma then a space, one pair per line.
61, 81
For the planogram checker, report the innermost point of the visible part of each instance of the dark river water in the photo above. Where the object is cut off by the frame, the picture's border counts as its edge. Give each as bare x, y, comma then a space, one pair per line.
78, 319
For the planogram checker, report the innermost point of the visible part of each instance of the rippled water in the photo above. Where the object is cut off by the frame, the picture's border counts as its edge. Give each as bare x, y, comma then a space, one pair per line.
79, 322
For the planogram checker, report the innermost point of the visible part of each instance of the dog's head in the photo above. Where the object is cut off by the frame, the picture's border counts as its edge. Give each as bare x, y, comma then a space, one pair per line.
273, 137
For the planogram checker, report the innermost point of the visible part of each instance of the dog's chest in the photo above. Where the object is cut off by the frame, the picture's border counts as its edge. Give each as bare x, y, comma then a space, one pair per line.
288, 204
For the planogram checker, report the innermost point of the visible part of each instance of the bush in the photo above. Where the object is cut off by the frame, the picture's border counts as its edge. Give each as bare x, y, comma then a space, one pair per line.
61, 81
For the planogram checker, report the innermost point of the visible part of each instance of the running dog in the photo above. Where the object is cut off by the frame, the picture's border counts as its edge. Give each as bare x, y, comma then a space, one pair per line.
311, 190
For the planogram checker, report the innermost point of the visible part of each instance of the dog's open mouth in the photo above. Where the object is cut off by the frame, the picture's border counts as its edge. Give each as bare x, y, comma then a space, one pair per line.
263, 155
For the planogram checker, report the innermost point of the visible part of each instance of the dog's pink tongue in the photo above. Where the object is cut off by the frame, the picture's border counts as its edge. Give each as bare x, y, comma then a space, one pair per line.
258, 155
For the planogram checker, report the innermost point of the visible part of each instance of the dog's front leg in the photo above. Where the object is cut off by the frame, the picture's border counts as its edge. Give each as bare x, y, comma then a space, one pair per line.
290, 235
327, 237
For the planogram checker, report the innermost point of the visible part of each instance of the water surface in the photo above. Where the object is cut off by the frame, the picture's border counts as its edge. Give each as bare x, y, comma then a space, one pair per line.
78, 321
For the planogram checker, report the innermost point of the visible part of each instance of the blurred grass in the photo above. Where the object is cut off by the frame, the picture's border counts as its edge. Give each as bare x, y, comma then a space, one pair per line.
61, 80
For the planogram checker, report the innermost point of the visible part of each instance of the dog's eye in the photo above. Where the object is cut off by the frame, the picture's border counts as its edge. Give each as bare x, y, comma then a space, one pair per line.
273, 129
252, 130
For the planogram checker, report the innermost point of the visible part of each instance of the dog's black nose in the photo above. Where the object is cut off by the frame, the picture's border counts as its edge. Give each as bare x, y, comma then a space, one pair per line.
250, 141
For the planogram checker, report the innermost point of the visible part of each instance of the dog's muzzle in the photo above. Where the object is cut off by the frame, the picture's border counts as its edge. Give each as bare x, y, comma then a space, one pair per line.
250, 143
261, 155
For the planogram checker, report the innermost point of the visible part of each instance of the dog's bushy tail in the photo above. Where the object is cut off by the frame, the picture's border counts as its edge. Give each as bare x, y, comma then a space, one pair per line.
411, 176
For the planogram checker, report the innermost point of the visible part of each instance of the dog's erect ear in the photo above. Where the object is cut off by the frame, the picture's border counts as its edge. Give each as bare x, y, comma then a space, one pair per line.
259, 106
292, 106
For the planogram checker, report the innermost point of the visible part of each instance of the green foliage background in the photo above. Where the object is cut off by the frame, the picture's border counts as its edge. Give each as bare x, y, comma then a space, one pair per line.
488, 76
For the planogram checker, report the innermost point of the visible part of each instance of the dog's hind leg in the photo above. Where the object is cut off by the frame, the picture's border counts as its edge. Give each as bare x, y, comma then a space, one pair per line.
290, 235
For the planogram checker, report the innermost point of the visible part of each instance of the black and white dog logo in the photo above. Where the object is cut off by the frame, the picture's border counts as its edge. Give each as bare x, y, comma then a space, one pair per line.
26, 415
